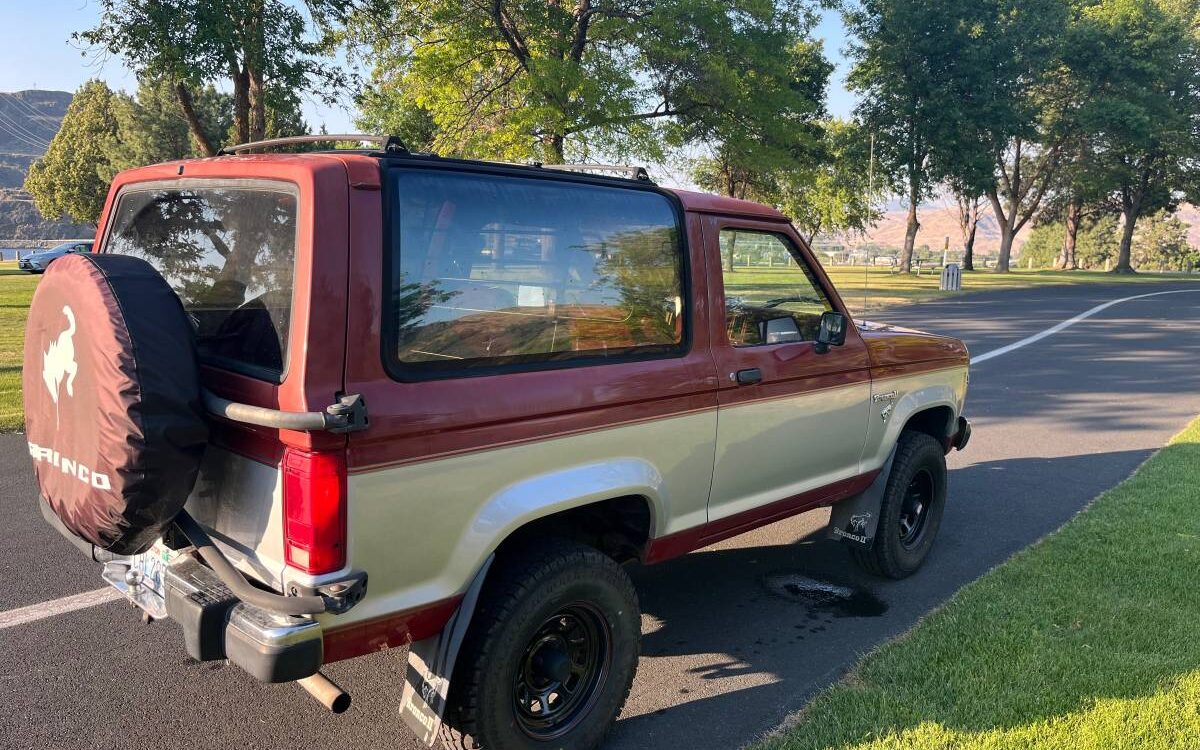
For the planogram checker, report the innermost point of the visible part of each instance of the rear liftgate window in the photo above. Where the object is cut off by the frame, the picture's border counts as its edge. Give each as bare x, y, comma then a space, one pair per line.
495, 272
229, 253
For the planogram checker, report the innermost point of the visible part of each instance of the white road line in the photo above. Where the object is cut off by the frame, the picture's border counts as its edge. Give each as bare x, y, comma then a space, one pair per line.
35, 612
1067, 324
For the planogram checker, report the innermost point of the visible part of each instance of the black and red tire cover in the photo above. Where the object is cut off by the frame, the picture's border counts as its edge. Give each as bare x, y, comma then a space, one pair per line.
113, 412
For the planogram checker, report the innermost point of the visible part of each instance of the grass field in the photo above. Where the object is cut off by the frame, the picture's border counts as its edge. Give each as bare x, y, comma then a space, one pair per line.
756, 284
885, 288
1089, 640
16, 289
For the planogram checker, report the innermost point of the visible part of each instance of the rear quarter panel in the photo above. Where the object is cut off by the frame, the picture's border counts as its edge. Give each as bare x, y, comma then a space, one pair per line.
450, 467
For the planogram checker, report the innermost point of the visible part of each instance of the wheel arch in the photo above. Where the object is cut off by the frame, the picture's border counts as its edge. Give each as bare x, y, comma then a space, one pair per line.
615, 506
937, 421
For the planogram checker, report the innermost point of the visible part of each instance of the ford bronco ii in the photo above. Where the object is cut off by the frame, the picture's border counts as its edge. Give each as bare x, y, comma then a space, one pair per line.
314, 405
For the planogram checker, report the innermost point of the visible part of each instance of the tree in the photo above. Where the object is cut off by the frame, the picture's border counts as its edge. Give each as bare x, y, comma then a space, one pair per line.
1162, 243
905, 56
1097, 242
72, 178
968, 201
831, 192
153, 129
827, 191
1147, 106
544, 80
262, 48
1021, 106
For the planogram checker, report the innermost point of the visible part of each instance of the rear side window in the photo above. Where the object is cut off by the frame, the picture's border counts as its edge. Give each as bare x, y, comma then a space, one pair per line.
229, 253
490, 271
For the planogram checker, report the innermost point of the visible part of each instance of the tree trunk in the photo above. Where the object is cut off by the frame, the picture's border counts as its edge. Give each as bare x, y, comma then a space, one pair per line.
969, 248
910, 235
241, 105
554, 149
258, 104
1066, 261
1007, 235
1129, 217
203, 145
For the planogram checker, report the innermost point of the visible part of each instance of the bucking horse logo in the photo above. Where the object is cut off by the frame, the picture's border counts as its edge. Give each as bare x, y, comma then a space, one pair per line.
59, 362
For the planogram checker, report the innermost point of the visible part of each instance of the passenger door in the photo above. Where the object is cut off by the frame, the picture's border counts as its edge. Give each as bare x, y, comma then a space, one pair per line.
791, 421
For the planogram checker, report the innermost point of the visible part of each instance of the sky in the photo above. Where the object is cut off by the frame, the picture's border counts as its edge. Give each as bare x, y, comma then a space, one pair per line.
36, 51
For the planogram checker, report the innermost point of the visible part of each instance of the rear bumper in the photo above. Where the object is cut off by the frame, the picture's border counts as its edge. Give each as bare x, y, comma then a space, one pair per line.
963, 435
217, 625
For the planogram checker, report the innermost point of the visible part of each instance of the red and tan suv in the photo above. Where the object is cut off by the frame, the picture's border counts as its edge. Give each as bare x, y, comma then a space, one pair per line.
316, 405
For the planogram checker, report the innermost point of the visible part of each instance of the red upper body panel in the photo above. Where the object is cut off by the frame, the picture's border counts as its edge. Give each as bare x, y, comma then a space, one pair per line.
339, 304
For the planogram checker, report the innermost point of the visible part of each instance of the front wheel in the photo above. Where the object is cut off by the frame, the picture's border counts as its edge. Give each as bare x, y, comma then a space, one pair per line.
550, 654
911, 512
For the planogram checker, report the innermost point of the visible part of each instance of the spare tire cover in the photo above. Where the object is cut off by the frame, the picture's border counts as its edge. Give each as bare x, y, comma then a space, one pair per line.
113, 413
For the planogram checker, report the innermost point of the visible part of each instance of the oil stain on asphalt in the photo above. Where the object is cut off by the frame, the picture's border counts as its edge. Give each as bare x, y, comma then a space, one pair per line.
822, 597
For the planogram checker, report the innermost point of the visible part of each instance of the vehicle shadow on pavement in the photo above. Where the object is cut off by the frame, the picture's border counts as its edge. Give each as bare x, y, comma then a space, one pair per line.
742, 655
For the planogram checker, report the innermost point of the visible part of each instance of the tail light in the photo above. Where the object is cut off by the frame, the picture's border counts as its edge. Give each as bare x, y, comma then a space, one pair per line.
314, 510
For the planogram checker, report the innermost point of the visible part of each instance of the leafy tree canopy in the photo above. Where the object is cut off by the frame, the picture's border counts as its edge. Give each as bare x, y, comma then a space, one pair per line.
72, 178
264, 49
530, 79
1143, 107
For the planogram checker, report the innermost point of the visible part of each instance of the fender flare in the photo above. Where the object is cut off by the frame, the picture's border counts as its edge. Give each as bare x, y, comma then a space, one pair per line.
548, 494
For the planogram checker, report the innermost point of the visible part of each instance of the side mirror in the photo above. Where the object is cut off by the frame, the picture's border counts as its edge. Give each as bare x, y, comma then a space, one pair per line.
832, 331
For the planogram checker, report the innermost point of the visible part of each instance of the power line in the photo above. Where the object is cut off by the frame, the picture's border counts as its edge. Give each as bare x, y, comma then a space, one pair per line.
22, 139
37, 114
16, 127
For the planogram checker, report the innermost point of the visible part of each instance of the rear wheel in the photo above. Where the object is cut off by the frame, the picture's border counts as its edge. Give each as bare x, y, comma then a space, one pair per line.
911, 512
550, 654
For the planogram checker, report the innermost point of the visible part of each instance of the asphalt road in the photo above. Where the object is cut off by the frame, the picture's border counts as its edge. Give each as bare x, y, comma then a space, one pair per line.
727, 655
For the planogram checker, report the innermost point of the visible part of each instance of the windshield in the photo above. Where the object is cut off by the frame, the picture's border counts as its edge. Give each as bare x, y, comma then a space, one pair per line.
228, 252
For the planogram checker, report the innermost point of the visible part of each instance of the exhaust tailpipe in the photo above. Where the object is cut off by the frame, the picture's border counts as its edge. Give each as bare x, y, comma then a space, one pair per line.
327, 693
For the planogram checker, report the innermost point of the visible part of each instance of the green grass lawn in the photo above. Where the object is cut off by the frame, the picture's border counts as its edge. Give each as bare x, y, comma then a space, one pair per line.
886, 288
1088, 640
16, 289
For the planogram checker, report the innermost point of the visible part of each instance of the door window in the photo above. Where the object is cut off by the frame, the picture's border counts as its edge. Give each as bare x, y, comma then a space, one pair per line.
771, 295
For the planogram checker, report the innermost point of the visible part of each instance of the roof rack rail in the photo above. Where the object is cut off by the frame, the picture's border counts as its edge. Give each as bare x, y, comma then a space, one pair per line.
389, 143
629, 172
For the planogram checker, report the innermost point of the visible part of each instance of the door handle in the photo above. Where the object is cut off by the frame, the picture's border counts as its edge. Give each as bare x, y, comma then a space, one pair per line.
752, 376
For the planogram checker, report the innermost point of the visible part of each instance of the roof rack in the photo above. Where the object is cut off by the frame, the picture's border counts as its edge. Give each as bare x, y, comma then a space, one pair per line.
389, 143
608, 170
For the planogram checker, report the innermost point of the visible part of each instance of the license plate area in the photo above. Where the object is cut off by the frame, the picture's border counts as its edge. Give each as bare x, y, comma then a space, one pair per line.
142, 578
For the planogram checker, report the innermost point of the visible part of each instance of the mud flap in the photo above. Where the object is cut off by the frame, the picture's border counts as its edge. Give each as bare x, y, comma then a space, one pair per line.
855, 519
430, 665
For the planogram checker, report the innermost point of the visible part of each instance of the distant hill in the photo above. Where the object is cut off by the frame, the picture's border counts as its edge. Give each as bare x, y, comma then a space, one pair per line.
939, 220
28, 120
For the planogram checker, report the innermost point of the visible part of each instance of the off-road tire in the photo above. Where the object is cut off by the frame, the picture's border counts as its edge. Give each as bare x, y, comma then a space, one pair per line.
524, 587
887, 556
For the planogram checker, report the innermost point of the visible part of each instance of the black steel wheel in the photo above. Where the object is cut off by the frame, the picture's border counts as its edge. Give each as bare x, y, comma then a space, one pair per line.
914, 509
550, 653
911, 511
561, 671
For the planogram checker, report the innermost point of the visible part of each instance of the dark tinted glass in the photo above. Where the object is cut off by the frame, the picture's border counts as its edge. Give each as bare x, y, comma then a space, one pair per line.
490, 270
229, 253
